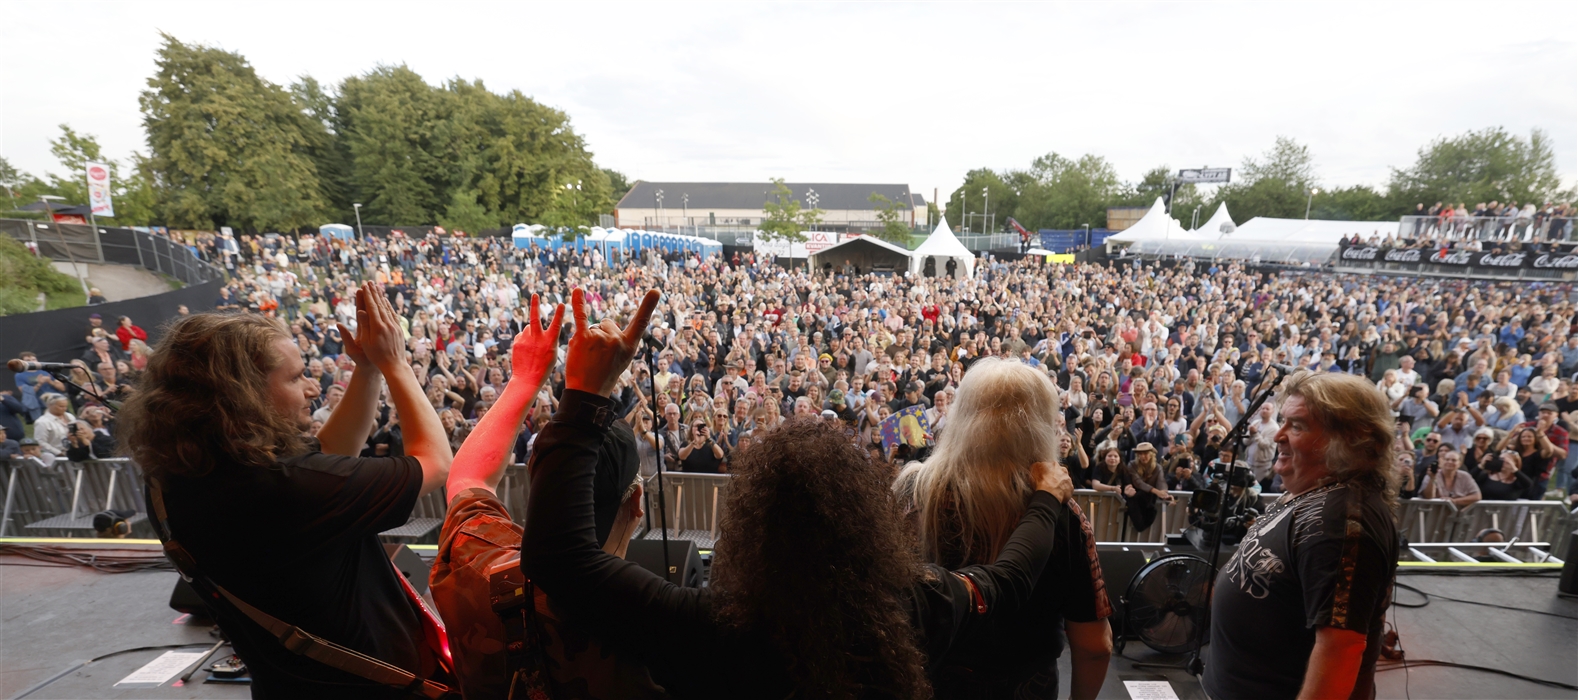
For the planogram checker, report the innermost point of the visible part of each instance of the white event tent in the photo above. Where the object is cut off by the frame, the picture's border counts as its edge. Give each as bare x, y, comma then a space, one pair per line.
940, 247
1219, 224
1156, 225
1266, 239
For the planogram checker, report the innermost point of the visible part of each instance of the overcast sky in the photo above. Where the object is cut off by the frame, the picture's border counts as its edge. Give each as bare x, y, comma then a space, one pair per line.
889, 93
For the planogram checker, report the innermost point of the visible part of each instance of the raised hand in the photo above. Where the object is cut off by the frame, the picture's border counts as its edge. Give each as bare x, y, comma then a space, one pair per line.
535, 350
1053, 479
599, 354
378, 337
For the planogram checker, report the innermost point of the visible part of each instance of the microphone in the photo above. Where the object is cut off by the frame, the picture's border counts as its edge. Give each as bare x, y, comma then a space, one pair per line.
23, 366
1284, 369
652, 342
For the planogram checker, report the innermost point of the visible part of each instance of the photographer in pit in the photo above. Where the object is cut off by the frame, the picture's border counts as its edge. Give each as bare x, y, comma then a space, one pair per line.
1226, 478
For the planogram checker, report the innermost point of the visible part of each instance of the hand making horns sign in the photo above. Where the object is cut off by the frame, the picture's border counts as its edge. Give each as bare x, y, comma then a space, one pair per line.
600, 353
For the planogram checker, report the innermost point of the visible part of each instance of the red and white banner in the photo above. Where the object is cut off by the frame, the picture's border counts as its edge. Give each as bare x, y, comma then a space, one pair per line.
99, 189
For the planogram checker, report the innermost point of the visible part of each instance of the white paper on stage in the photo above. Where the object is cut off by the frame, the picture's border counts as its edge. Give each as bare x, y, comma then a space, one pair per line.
1150, 690
159, 671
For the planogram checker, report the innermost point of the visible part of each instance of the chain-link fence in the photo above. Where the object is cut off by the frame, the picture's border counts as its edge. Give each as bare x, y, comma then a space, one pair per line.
83, 244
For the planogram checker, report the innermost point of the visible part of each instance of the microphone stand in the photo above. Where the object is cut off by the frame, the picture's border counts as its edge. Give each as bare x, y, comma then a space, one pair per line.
65, 377
658, 440
1234, 437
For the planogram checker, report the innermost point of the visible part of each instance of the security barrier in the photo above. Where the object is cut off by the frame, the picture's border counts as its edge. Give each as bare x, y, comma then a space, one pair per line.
694, 507
61, 498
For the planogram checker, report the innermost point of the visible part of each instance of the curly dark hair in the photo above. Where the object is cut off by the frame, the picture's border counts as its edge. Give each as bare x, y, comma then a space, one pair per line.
203, 400
813, 556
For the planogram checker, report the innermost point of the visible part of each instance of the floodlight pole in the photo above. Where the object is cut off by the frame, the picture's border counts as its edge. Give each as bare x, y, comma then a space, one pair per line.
986, 196
1087, 235
1309, 202
358, 207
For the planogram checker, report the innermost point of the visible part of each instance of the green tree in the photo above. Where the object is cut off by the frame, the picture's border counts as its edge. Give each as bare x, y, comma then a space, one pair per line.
327, 151
1276, 185
1064, 194
786, 216
1356, 203
1479, 167
892, 214
982, 187
226, 146
385, 119
618, 184
467, 214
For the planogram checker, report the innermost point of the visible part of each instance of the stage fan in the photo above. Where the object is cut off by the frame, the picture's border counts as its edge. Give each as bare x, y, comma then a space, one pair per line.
1166, 603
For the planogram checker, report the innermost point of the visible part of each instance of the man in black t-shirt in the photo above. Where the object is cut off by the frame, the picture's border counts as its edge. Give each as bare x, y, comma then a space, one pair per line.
286, 525
1298, 611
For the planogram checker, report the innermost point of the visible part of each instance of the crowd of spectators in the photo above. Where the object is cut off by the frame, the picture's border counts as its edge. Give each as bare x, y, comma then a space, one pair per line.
1499, 221
1155, 363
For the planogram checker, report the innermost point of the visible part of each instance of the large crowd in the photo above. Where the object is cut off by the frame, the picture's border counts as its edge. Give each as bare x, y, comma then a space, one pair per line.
1155, 364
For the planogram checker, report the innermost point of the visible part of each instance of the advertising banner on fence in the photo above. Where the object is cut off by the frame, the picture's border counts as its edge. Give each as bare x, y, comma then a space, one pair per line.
1558, 259
99, 189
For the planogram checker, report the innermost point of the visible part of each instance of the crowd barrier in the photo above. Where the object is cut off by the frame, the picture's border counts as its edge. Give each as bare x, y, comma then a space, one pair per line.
60, 499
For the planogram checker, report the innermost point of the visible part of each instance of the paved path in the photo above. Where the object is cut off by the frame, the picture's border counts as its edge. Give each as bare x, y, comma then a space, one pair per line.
119, 282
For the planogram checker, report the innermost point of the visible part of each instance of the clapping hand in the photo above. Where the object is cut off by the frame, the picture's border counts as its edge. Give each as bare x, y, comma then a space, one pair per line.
599, 354
535, 350
378, 341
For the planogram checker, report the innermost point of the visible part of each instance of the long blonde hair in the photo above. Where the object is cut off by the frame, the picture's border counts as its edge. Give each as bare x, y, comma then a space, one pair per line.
971, 493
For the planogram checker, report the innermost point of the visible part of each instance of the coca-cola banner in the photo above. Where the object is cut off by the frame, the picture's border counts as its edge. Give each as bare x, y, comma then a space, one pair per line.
1505, 260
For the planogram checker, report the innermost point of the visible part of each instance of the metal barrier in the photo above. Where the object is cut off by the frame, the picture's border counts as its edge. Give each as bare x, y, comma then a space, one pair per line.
694, 507
60, 500
1503, 228
1421, 520
1529, 521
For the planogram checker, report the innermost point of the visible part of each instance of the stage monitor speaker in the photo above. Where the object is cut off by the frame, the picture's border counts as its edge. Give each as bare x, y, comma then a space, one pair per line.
1118, 567
185, 599
415, 568
1568, 585
684, 561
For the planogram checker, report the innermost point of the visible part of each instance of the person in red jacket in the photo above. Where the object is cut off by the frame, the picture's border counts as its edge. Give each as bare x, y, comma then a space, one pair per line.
127, 331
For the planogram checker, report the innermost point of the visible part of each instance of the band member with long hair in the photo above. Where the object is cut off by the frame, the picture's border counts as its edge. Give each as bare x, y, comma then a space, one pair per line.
286, 524
1299, 609
814, 593
967, 499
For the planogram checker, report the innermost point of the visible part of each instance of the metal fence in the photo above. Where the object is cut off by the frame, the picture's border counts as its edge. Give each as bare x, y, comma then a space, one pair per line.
1487, 228
84, 244
61, 498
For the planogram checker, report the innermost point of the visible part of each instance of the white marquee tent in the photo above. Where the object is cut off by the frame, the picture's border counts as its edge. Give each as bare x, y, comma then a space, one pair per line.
940, 247
1219, 224
866, 253
1156, 225
1265, 239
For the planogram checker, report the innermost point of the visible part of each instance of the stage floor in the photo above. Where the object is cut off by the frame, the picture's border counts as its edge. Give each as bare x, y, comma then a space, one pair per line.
51, 618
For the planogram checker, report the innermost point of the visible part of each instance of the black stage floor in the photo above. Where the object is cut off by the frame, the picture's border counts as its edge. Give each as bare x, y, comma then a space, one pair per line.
52, 618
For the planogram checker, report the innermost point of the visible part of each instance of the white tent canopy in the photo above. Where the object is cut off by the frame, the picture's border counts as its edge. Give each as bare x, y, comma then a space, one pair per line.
1269, 240
1155, 225
1219, 224
940, 247
1262, 228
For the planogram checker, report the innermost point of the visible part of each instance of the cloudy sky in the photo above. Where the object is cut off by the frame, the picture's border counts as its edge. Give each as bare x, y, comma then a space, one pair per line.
877, 92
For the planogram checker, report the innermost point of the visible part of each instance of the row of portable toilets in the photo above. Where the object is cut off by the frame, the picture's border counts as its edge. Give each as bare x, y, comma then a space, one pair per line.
610, 239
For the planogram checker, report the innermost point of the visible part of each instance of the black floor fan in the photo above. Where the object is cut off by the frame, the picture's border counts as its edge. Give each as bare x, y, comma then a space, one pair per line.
1165, 605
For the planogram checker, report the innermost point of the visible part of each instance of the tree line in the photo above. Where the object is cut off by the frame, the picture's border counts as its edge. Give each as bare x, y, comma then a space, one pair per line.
228, 148
1057, 192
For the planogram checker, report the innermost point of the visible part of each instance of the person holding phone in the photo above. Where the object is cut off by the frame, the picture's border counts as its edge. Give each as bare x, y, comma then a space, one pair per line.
703, 454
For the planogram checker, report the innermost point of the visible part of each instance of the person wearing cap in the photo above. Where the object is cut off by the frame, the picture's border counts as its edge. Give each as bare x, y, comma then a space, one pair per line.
479, 538
1142, 484
838, 403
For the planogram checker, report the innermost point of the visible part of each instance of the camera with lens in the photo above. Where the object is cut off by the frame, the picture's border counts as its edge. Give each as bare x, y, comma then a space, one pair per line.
1234, 483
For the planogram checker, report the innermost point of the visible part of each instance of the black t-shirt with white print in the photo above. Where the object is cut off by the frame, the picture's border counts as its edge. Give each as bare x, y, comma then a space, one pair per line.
1323, 559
